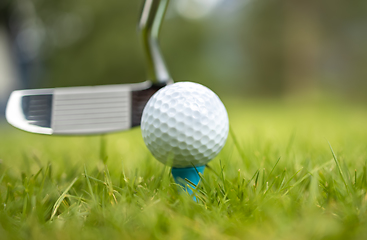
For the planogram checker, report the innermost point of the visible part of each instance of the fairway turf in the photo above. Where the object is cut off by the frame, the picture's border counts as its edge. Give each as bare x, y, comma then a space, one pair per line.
288, 171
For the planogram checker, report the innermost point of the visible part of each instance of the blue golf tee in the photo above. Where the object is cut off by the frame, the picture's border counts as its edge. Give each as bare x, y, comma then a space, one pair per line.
191, 173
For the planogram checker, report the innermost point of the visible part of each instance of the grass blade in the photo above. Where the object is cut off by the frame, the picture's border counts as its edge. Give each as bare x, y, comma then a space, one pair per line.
236, 143
89, 185
60, 199
339, 168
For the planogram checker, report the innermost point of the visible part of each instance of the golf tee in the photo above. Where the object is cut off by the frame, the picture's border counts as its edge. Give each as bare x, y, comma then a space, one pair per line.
191, 174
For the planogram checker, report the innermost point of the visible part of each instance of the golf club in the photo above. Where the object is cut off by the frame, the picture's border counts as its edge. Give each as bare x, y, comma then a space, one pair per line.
95, 109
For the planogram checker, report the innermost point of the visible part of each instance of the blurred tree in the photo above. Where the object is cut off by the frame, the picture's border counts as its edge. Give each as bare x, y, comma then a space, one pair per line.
91, 42
264, 47
263, 42
296, 46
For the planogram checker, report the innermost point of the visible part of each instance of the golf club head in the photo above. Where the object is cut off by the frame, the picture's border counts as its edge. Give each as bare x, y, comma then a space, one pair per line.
79, 110
95, 109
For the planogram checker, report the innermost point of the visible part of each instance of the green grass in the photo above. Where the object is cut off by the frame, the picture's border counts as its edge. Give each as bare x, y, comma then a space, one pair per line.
276, 178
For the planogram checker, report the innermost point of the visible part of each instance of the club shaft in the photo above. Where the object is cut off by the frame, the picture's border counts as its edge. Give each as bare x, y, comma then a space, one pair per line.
150, 24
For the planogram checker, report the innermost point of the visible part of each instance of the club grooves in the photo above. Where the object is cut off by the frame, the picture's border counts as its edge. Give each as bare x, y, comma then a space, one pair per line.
37, 109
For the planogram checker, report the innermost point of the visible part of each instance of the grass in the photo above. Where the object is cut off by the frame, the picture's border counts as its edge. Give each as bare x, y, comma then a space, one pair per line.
288, 171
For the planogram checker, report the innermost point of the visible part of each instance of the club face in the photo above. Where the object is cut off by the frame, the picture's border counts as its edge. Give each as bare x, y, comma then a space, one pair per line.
79, 110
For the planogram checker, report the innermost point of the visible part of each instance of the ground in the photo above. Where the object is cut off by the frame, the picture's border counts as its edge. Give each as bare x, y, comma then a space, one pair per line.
290, 170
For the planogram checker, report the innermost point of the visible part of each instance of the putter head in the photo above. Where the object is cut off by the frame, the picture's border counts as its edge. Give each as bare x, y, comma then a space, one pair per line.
79, 110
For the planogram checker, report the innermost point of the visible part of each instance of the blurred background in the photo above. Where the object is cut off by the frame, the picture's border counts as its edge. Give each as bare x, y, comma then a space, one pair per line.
239, 48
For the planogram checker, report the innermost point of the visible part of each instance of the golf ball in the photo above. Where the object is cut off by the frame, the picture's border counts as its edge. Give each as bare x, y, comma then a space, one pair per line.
184, 124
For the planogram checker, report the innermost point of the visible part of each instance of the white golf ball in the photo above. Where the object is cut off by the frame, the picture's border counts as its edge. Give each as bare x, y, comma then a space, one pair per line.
184, 124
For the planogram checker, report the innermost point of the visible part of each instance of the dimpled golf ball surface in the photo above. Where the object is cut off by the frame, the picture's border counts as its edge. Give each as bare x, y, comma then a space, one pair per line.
184, 124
